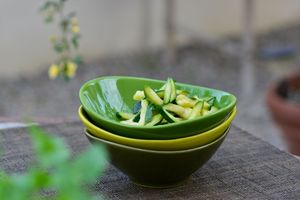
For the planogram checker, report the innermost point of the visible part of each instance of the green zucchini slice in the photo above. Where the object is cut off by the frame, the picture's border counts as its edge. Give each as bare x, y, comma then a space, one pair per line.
168, 91
178, 110
152, 96
196, 111
155, 120
124, 115
173, 90
166, 115
144, 108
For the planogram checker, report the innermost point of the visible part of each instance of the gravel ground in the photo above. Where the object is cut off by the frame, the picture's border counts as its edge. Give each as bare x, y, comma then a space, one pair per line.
215, 66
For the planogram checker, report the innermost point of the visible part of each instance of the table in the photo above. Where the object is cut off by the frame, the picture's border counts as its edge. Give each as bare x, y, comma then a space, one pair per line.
244, 167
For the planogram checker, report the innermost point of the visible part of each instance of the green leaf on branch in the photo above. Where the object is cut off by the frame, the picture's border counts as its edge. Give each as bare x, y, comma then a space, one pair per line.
60, 47
74, 40
78, 60
49, 19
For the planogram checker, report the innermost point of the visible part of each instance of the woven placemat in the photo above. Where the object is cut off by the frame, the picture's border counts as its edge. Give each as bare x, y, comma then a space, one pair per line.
244, 167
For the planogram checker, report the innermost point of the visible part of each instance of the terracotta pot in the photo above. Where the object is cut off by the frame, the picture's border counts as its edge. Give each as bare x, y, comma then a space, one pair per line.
286, 114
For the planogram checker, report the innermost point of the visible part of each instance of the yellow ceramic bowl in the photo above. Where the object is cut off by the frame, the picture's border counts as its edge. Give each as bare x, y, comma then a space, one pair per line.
168, 145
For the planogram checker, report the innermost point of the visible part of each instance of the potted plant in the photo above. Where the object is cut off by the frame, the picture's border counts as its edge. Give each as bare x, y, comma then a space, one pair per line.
283, 101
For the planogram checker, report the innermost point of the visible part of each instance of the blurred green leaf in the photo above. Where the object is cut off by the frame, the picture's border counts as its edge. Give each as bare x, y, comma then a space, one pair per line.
58, 47
49, 5
50, 151
53, 171
64, 24
74, 40
78, 60
91, 162
49, 19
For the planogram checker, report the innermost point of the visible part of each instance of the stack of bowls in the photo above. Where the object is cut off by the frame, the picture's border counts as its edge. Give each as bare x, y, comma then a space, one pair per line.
158, 156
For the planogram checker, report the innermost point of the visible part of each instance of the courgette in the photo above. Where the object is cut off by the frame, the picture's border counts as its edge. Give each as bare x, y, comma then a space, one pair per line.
167, 105
144, 108
178, 110
209, 102
173, 90
183, 92
152, 96
139, 95
155, 120
166, 115
185, 101
168, 92
160, 93
124, 115
130, 122
196, 111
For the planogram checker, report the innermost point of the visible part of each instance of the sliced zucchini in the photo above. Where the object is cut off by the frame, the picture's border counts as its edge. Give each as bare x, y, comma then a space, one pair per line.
139, 95
152, 96
195, 97
166, 105
163, 121
196, 111
173, 90
155, 120
213, 109
168, 92
166, 115
209, 102
204, 112
163, 87
183, 92
130, 122
124, 115
178, 110
144, 108
160, 93
206, 105
185, 101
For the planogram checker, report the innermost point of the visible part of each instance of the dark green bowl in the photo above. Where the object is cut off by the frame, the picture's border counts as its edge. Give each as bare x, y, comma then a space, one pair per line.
158, 168
101, 98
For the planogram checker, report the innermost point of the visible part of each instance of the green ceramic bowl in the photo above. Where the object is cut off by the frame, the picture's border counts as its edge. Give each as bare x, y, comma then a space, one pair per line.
158, 168
101, 98
166, 145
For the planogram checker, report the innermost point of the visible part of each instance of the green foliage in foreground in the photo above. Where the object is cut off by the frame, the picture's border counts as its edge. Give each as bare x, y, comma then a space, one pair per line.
53, 174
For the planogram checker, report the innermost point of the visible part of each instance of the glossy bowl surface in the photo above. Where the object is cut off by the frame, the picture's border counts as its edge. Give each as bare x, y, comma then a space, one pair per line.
103, 97
172, 144
158, 168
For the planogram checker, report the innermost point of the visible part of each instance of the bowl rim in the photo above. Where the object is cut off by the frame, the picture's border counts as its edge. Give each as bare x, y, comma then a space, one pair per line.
227, 123
224, 134
166, 126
